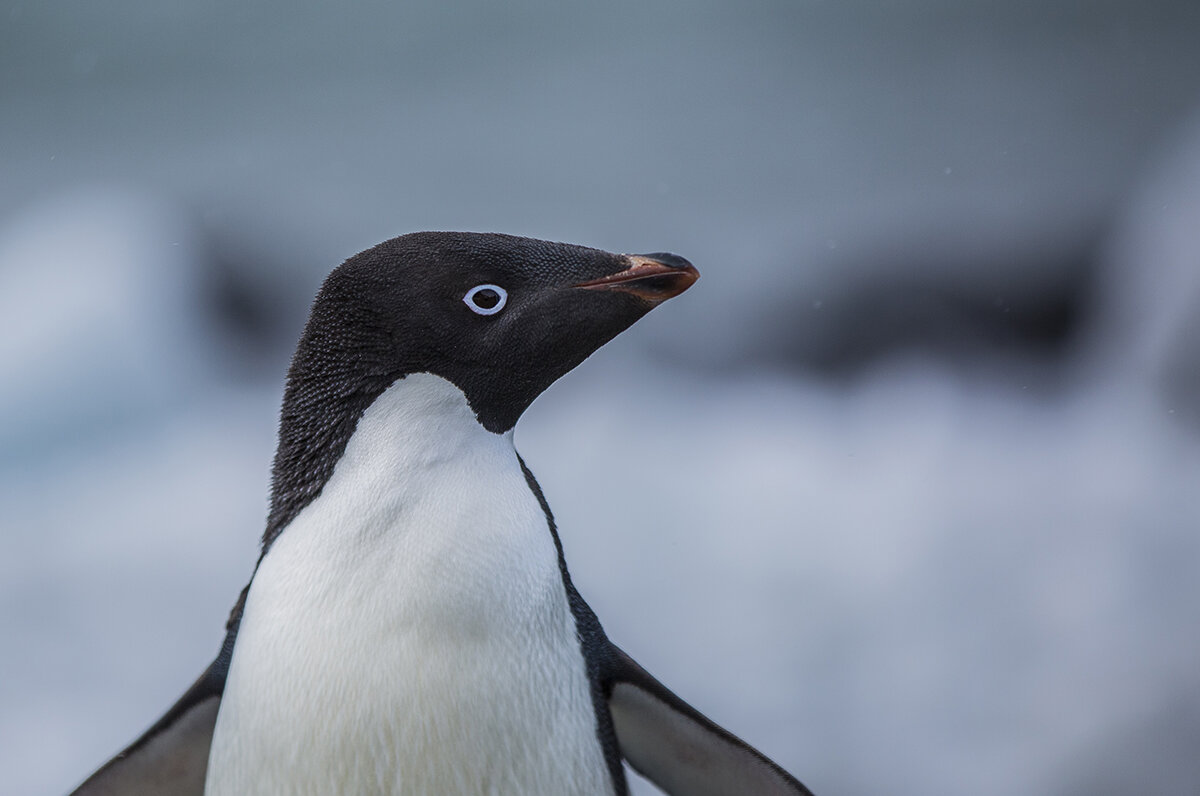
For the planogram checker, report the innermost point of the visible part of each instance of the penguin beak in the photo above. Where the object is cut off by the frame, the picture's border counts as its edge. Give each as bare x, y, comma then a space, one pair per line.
651, 277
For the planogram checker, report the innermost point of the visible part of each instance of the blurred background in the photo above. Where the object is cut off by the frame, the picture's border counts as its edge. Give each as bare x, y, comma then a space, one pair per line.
923, 442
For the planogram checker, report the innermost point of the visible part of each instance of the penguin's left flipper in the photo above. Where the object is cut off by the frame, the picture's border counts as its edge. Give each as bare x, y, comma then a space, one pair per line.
679, 749
172, 756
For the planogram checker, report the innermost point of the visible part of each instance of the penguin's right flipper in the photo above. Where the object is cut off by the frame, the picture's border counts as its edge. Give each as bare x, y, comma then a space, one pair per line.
678, 748
172, 756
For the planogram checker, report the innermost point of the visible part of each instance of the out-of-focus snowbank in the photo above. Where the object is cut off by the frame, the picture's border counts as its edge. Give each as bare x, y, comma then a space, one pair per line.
127, 515
1146, 322
120, 558
101, 317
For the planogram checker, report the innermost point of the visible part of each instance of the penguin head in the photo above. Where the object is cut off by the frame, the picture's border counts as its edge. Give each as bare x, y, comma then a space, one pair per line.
500, 317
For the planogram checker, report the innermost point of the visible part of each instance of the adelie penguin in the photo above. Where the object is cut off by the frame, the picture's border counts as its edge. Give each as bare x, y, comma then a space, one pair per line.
411, 627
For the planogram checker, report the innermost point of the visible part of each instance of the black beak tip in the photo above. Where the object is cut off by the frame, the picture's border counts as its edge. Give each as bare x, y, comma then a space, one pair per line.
668, 259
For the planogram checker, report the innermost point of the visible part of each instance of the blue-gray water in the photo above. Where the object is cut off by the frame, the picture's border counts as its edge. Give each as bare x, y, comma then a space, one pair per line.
915, 461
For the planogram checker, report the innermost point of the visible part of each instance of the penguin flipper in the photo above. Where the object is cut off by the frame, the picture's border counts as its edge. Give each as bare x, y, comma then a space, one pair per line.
679, 749
171, 756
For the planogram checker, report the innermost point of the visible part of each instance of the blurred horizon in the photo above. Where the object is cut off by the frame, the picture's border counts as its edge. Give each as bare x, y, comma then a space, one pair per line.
924, 437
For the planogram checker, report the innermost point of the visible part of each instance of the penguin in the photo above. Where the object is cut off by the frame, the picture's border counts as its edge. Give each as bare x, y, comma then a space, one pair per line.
411, 626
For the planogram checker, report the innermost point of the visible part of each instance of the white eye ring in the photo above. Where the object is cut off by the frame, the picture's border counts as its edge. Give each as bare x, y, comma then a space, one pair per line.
469, 299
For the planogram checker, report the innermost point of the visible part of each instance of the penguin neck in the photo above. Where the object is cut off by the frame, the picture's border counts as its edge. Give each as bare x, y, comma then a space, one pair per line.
420, 422
418, 439
318, 418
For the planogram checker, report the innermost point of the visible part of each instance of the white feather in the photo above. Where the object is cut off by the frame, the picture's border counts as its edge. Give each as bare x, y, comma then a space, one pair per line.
409, 631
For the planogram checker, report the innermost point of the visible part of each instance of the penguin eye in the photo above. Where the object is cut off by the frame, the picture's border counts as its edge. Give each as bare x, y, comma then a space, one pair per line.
486, 299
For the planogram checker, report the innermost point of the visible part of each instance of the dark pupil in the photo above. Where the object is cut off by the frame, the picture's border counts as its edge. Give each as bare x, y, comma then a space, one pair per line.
486, 298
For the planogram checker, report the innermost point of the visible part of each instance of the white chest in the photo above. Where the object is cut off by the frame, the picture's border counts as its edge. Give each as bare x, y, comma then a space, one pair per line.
409, 632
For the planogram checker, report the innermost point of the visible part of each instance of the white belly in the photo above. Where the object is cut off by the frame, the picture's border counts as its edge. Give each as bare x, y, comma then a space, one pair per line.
409, 631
